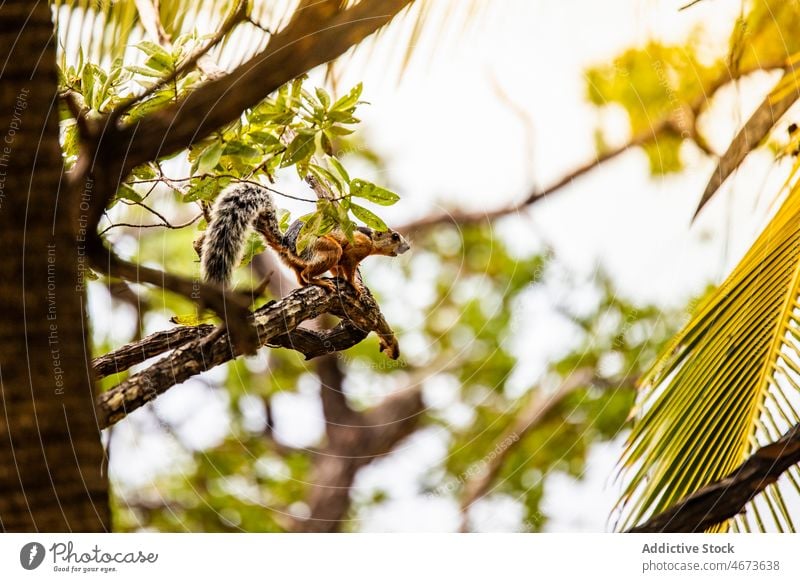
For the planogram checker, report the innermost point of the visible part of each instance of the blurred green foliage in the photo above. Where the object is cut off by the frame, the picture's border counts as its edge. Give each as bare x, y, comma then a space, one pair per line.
674, 84
472, 322
249, 482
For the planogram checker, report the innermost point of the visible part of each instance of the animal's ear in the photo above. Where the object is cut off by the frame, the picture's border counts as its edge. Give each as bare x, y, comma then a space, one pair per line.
364, 230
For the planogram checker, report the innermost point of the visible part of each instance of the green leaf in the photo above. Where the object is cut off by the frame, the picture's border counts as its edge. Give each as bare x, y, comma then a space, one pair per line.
157, 101
326, 177
255, 246
297, 88
111, 80
338, 130
373, 193
159, 58
301, 148
242, 150
127, 192
350, 100
69, 138
323, 97
307, 233
283, 219
326, 225
337, 165
145, 71
144, 172
192, 319
343, 218
205, 189
209, 159
150, 48
342, 117
263, 138
325, 143
368, 217
87, 83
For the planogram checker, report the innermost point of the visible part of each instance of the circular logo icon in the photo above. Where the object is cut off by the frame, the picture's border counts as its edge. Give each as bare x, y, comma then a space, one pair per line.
31, 555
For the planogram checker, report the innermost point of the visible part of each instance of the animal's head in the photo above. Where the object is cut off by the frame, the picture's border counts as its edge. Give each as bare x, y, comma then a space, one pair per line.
389, 242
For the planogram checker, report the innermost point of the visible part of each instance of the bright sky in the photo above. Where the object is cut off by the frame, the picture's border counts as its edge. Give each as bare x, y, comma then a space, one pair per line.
449, 139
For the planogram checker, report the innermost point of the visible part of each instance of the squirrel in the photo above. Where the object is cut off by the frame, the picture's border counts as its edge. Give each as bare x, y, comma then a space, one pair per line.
243, 206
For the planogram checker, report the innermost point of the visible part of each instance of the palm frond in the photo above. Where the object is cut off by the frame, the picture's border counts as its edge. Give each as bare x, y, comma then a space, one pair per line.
757, 127
424, 32
729, 383
103, 30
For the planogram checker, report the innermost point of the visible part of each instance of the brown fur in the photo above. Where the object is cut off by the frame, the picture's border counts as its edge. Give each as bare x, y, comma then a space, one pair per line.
335, 253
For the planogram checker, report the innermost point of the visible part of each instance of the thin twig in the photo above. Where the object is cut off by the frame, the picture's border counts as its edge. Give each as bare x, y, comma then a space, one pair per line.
164, 224
657, 128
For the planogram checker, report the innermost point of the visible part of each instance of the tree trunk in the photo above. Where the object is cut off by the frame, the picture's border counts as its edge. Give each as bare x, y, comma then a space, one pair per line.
51, 459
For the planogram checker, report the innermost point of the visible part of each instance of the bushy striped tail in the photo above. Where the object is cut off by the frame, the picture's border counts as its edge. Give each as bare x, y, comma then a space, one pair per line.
235, 212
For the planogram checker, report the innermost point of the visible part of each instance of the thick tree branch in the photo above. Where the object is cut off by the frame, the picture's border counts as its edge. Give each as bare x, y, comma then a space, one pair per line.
273, 325
231, 306
355, 439
290, 53
727, 497
308, 342
149, 347
338, 413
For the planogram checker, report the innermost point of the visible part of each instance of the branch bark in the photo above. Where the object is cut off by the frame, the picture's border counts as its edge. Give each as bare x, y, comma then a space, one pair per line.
275, 324
309, 40
727, 497
149, 347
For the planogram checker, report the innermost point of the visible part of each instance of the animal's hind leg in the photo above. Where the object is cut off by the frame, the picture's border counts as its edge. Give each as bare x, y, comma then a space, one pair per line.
327, 253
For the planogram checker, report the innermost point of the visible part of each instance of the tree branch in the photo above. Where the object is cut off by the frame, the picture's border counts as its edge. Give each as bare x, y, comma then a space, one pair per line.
659, 127
231, 306
727, 497
149, 16
353, 444
308, 342
273, 323
355, 439
149, 347
290, 53
538, 410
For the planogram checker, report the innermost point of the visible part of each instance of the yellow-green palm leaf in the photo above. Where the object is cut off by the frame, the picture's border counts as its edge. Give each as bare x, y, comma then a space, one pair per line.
103, 30
725, 385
